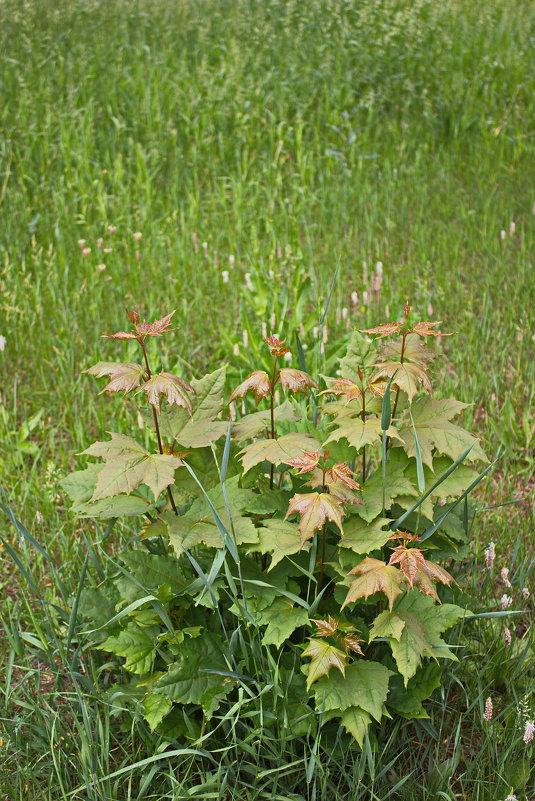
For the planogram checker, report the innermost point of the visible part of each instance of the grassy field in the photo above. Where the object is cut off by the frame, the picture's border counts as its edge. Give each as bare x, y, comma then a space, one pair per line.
302, 137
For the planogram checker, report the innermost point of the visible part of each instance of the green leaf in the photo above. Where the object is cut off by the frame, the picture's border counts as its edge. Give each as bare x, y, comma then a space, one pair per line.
155, 708
282, 618
257, 423
115, 506
363, 537
188, 680
136, 645
432, 424
323, 657
128, 465
200, 433
358, 432
209, 391
360, 354
280, 538
81, 484
407, 702
356, 721
198, 524
422, 621
372, 492
365, 684
152, 570
278, 450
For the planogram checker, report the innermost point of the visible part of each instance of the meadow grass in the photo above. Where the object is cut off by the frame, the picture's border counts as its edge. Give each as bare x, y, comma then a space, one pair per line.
289, 135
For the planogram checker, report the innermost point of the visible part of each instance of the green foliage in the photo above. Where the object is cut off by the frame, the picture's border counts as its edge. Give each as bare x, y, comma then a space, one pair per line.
208, 547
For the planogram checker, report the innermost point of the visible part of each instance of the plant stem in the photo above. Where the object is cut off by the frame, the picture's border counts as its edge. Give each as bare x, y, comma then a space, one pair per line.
322, 563
272, 415
397, 390
363, 418
157, 424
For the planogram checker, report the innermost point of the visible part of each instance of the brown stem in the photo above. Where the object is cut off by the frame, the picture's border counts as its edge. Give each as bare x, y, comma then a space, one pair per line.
272, 415
157, 424
397, 391
322, 563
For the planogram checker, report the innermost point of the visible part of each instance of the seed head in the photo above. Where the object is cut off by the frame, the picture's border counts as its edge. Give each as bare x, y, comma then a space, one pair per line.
487, 715
490, 555
504, 572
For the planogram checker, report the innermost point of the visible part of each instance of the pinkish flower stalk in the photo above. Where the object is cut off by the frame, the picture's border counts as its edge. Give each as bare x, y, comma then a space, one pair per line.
504, 572
490, 555
529, 731
487, 715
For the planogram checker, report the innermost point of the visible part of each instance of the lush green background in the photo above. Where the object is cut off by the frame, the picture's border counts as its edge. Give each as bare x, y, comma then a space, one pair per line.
333, 133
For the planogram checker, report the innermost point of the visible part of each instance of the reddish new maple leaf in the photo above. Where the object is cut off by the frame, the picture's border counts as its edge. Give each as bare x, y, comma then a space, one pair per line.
144, 329
257, 382
409, 560
305, 463
276, 345
170, 386
425, 329
123, 377
384, 330
343, 386
296, 380
341, 473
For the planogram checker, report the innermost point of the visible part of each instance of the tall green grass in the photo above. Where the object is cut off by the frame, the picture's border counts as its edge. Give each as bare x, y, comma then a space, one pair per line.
313, 133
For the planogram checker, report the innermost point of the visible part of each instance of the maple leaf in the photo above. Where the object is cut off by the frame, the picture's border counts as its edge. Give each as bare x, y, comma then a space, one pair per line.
414, 350
133, 316
343, 386
374, 576
432, 421
426, 574
123, 377
408, 376
384, 330
276, 345
173, 388
144, 329
276, 450
129, 464
314, 509
280, 538
351, 642
409, 561
341, 473
425, 329
326, 628
323, 657
305, 463
257, 382
296, 380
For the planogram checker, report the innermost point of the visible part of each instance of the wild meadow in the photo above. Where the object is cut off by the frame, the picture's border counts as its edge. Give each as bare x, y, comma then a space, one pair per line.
228, 598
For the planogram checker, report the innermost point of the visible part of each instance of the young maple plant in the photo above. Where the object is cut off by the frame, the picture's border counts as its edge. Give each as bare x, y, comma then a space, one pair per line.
305, 534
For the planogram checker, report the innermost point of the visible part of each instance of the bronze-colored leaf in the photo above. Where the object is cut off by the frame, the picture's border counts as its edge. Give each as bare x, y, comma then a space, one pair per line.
123, 377
326, 628
429, 572
305, 463
157, 328
408, 376
341, 473
343, 386
426, 329
296, 380
257, 382
314, 509
409, 561
174, 389
121, 335
385, 330
351, 642
276, 345
373, 576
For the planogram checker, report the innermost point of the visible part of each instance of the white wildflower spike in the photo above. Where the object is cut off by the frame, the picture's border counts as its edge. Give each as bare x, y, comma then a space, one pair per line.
100, 243
503, 234
248, 282
264, 331
490, 555
231, 261
112, 229
365, 298
86, 252
3, 341
138, 236
504, 572
354, 298
245, 338
430, 310
529, 731
507, 636
236, 349
379, 268
344, 313
195, 242
487, 715
273, 321
506, 601
205, 248
512, 228
225, 276
525, 593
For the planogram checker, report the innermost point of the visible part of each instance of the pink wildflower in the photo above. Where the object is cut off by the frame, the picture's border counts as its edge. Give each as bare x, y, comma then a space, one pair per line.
528, 731
487, 715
